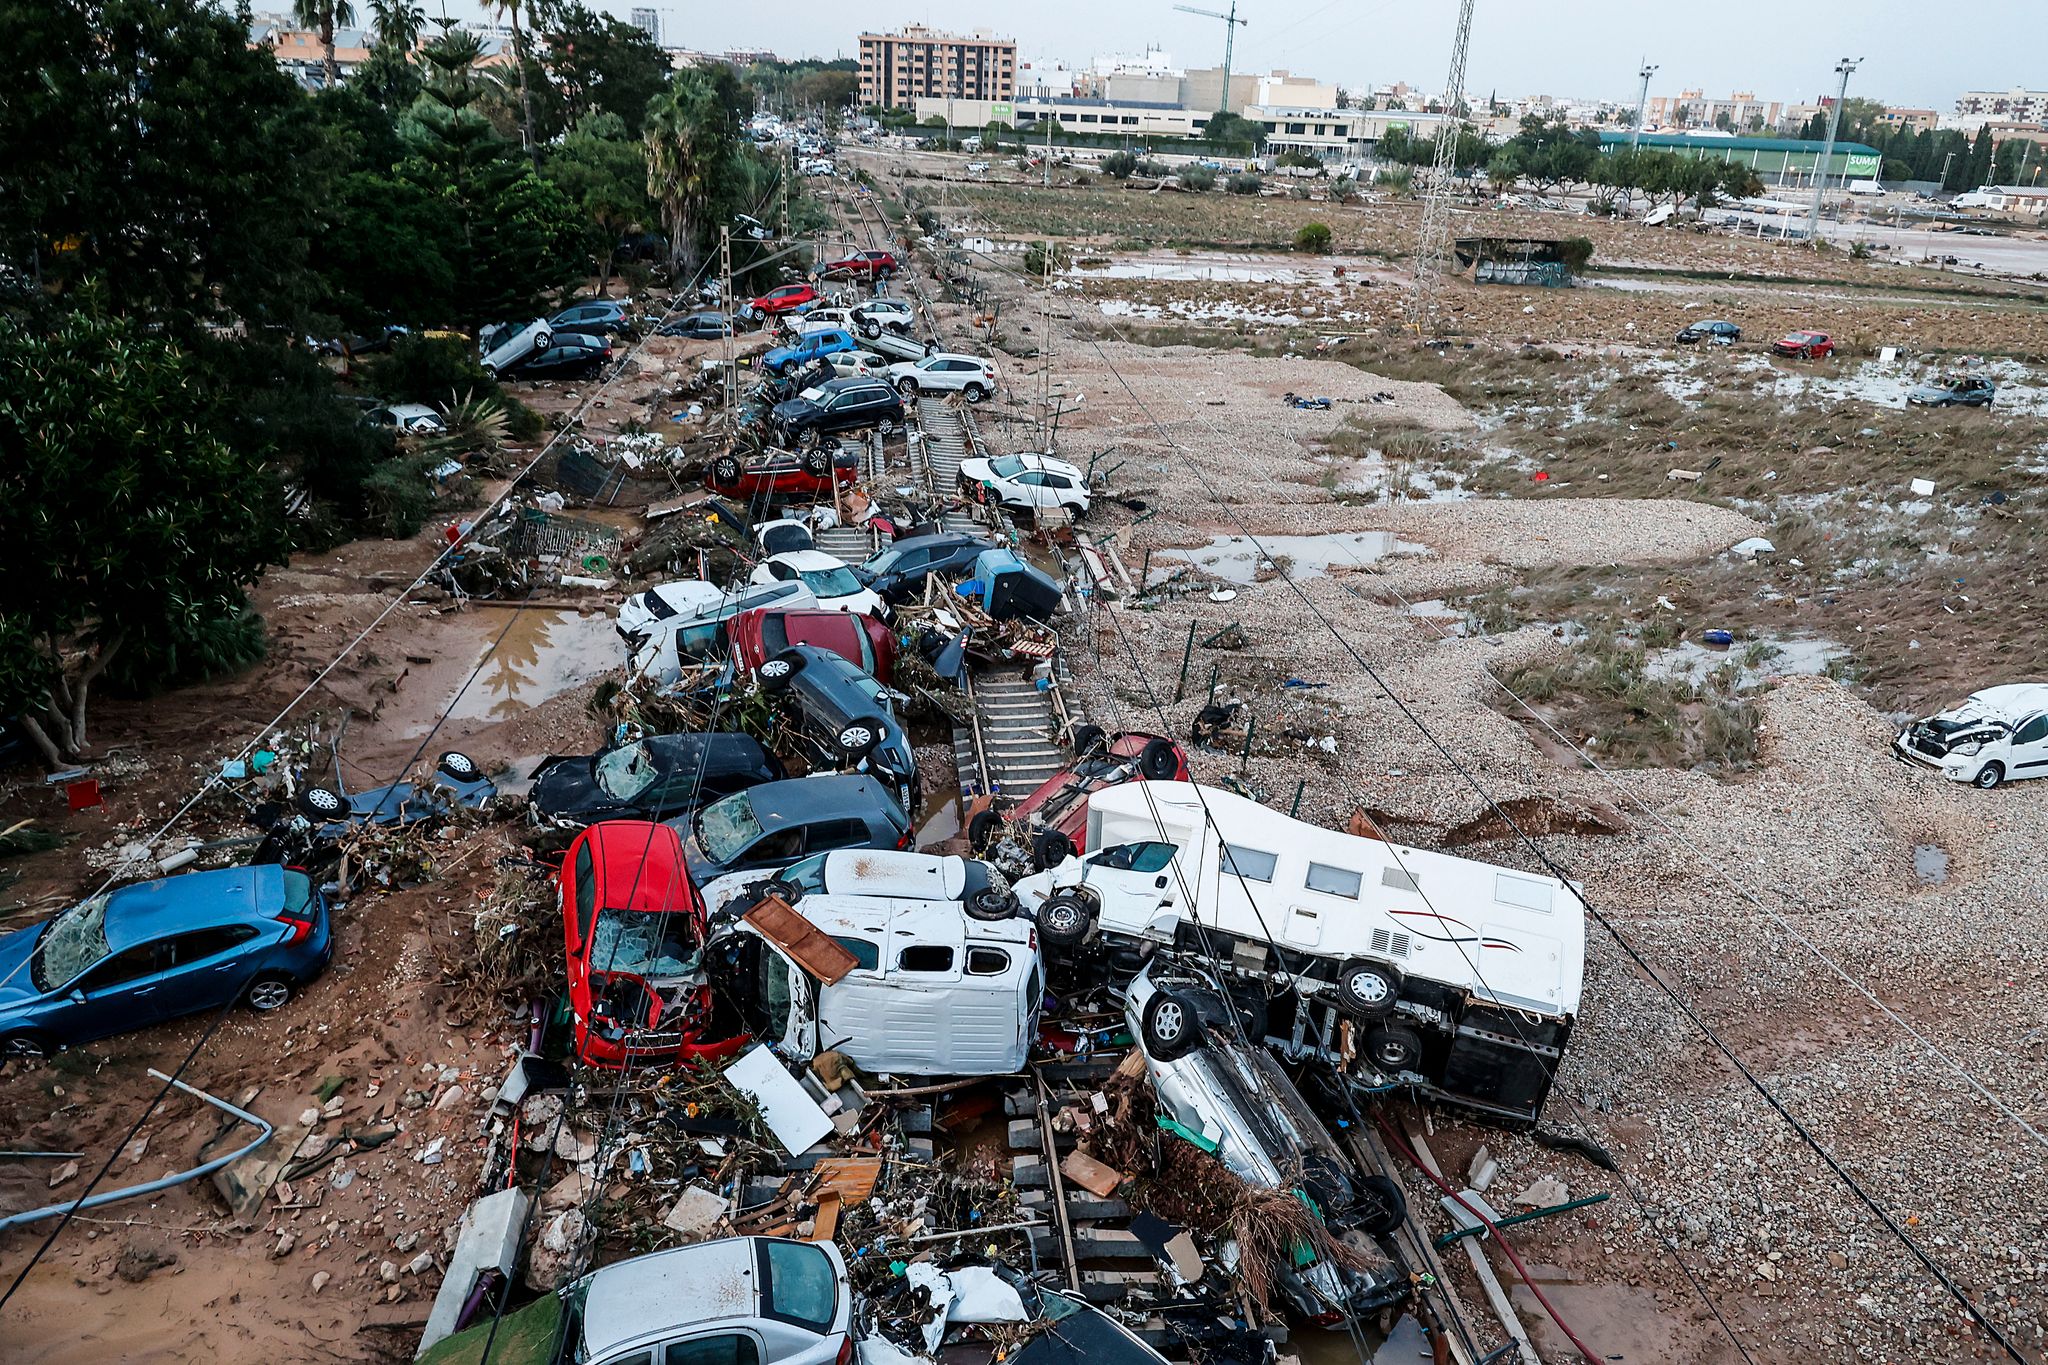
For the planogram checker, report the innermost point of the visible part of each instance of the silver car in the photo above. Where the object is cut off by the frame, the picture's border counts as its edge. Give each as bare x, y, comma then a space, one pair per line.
501, 347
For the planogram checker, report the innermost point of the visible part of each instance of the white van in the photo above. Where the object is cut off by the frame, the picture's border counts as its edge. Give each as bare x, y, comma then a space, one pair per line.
1866, 187
871, 872
903, 987
1997, 735
675, 624
1458, 975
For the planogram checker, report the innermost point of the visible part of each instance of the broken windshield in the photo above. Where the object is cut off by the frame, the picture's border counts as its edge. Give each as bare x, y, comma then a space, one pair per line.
726, 828
660, 947
626, 772
73, 941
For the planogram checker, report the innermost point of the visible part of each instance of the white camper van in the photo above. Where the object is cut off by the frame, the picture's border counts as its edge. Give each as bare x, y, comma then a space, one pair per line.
1458, 974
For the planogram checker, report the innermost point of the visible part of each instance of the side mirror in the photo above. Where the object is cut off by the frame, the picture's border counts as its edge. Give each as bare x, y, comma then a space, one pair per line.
76, 997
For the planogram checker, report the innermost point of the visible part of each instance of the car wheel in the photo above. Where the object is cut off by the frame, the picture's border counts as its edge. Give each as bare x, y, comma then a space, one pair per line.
1171, 1027
1394, 1048
789, 893
871, 330
887, 426
1087, 739
725, 470
807, 439
1988, 776
459, 766
974, 393
323, 803
267, 993
817, 461
1367, 989
775, 674
982, 829
1065, 919
908, 388
989, 903
1158, 761
1383, 1206
23, 1045
857, 739
1050, 848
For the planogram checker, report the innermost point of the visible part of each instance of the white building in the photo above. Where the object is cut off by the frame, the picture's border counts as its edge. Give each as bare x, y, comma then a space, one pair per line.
2010, 106
1336, 136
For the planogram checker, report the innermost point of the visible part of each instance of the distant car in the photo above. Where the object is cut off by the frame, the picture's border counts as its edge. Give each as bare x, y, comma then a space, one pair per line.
1713, 332
407, 419
843, 718
828, 577
697, 325
1805, 345
635, 930
809, 347
596, 317
1994, 736
153, 951
858, 365
569, 355
776, 823
650, 779
872, 317
838, 405
899, 571
782, 473
873, 265
1955, 390
759, 635
818, 320
1030, 483
776, 302
505, 345
1053, 819
943, 372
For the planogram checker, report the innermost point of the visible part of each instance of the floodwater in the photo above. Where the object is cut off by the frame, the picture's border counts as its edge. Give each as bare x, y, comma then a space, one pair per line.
1930, 864
1780, 657
1226, 269
1237, 559
543, 654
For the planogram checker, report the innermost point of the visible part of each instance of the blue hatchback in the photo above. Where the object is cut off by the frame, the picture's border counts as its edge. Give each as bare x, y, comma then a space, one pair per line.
157, 950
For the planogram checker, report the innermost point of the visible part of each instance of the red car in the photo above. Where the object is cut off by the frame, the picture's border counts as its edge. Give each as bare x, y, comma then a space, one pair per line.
775, 302
781, 472
635, 931
1805, 345
876, 265
1054, 819
764, 632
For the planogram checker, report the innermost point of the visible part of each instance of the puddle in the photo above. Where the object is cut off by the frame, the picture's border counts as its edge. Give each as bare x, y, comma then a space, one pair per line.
1886, 386
1624, 1323
1930, 864
1198, 312
1753, 660
942, 812
543, 654
1236, 559
1191, 268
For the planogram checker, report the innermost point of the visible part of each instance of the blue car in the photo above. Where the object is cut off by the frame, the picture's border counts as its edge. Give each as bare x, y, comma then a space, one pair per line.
807, 348
153, 951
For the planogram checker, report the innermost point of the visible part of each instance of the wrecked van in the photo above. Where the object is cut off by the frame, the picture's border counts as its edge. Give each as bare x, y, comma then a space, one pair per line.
905, 987
1993, 736
1397, 965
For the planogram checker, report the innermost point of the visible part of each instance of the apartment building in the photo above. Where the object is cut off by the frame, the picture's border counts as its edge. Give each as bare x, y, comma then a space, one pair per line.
896, 69
2008, 106
1911, 120
1740, 112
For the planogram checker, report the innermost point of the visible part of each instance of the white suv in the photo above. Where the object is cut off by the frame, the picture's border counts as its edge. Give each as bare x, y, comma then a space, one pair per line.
945, 372
1031, 483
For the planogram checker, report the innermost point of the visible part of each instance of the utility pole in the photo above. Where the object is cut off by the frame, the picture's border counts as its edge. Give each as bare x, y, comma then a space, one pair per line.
725, 298
1431, 245
1628, 194
1820, 179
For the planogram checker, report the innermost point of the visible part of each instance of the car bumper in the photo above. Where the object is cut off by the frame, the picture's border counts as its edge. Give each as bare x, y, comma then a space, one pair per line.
1955, 769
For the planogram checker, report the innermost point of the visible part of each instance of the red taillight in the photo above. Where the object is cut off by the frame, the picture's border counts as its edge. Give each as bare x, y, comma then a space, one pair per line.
1331, 1319
903, 839
845, 1356
301, 929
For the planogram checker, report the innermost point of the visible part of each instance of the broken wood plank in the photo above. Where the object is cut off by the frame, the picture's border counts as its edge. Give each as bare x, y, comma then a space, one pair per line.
1090, 1174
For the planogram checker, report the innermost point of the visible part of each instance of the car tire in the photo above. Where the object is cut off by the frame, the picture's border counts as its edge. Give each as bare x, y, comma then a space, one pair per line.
789, 893
1087, 739
1050, 848
857, 738
907, 388
870, 329
818, 461
1171, 1027
887, 427
725, 470
22, 1045
323, 803
991, 904
459, 766
982, 829
807, 439
1382, 1205
1065, 919
1367, 990
269, 993
1158, 761
974, 393
1988, 776
777, 673
1394, 1048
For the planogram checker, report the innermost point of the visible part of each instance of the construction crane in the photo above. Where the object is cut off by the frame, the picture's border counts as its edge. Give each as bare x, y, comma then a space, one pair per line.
1230, 27
1432, 243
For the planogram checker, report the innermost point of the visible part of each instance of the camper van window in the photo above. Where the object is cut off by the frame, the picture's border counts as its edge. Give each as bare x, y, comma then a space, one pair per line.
865, 954
1334, 881
775, 992
1530, 895
1249, 863
987, 962
925, 957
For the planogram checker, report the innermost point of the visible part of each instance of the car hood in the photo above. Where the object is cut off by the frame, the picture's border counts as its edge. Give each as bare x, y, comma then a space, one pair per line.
15, 950
793, 407
568, 786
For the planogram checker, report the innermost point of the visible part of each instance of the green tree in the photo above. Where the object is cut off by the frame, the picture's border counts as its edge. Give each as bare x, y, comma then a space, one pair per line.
1234, 132
696, 167
323, 17
1979, 174
602, 169
597, 65
1504, 169
128, 521
513, 10
398, 23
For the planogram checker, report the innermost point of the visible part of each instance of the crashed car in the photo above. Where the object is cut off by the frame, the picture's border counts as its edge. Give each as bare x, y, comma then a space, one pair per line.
759, 635
830, 581
868, 264
899, 571
635, 931
842, 717
782, 474
788, 299
1806, 345
655, 778
774, 824
1710, 330
979, 887
1219, 1088
838, 405
684, 622
308, 831
1026, 483
1053, 820
1953, 390
1994, 736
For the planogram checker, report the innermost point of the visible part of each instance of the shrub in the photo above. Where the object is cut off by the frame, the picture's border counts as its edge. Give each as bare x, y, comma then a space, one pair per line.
1343, 189
1313, 238
1197, 178
426, 370
185, 652
1297, 191
1147, 166
1576, 251
1244, 182
1119, 165
400, 495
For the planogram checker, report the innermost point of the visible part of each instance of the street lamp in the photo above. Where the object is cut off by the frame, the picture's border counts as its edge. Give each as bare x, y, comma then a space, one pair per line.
1820, 179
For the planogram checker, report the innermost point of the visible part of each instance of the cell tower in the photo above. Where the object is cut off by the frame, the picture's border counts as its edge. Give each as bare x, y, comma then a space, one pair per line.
1432, 243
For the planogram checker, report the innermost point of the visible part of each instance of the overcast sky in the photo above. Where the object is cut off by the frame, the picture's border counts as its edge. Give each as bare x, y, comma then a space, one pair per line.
1918, 53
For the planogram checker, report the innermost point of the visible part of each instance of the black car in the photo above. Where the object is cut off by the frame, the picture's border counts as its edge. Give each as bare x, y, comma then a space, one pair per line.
569, 355
777, 823
650, 779
700, 325
838, 405
898, 573
842, 716
1710, 330
596, 317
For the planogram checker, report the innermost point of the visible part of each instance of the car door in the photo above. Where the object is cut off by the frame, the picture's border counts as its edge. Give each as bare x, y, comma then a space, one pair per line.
114, 995
1059, 490
2029, 748
204, 968
1030, 489
714, 1348
1133, 882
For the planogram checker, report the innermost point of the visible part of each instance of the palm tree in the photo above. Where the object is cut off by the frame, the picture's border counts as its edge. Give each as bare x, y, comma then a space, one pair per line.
398, 23
686, 157
510, 9
325, 16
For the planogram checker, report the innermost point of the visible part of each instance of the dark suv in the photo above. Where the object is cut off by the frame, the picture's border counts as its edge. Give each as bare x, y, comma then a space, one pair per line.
838, 405
898, 572
842, 716
777, 823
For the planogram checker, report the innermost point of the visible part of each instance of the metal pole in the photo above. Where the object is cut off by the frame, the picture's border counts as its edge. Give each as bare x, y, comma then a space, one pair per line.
1628, 194
1229, 44
731, 320
1187, 656
1820, 179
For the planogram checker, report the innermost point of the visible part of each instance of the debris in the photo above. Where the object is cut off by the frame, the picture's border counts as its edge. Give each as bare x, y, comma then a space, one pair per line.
1542, 1193
1755, 545
1922, 488
695, 1213
1483, 1169
788, 1110
63, 1173
1689, 475
1091, 1175
487, 1239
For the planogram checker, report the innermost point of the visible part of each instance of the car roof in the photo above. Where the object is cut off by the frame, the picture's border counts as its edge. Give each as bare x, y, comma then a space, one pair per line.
885, 918
196, 900
667, 1291
703, 747
853, 381
2009, 700
800, 800
957, 355
638, 866
806, 561
892, 872
408, 411
1034, 460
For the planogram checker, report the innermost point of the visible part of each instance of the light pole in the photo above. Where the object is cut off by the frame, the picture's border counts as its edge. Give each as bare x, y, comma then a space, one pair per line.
1820, 179
1944, 168
1642, 101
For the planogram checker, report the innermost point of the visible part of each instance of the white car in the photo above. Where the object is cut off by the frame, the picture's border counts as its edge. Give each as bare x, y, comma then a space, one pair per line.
1032, 483
503, 346
676, 624
871, 872
821, 320
1997, 735
783, 535
827, 577
945, 372
857, 365
408, 418
872, 316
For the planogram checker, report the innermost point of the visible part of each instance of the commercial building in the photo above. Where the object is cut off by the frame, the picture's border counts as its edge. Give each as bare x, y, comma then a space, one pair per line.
1911, 120
2013, 106
1335, 136
898, 69
1777, 161
1074, 113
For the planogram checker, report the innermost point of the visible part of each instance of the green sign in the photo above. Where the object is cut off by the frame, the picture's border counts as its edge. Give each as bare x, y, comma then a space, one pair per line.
1002, 111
